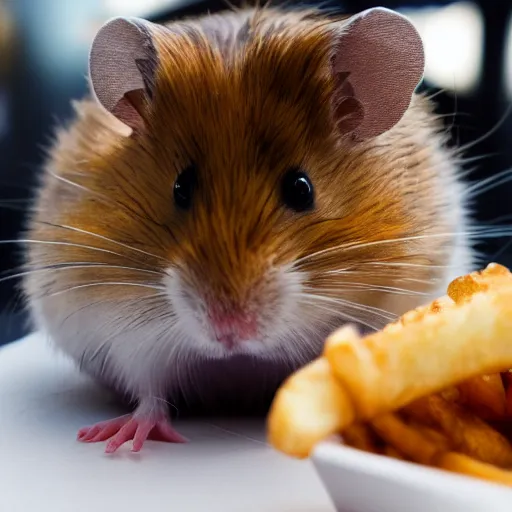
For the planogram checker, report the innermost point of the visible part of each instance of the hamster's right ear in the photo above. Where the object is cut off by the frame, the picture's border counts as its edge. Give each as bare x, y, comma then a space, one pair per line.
378, 62
122, 64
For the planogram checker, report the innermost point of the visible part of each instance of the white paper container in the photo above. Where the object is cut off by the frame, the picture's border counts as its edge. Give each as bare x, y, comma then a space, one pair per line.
358, 481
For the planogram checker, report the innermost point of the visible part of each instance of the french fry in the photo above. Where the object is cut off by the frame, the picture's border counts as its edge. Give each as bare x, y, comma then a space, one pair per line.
310, 406
451, 394
485, 395
391, 451
439, 438
413, 444
361, 436
465, 465
469, 434
491, 278
419, 412
425, 389
418, 314
389, 369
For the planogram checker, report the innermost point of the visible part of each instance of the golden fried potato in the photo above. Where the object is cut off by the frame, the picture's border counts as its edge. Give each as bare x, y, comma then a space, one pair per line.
491, 278
439, 438
391, 368
413, 444
391, 451
419, 390
309, 406
469, 434
418, 314
361, 436
485, 396
465, 465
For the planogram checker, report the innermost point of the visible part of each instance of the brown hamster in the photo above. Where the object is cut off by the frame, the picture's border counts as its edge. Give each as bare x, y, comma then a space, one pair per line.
237, 187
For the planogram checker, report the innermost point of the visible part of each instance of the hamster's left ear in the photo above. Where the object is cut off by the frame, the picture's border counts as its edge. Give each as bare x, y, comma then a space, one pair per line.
122, 64
378, 62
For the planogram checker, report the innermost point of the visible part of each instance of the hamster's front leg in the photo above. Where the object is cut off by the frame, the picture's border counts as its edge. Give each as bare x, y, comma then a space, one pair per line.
150, 420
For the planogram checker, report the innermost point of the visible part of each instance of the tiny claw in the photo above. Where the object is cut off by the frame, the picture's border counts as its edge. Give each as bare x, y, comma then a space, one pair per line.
125, 434
92, 433
141, 435
102, 431
82, 433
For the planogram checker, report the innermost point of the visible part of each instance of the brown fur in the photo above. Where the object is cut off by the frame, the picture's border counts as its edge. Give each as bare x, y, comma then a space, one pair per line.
244, 110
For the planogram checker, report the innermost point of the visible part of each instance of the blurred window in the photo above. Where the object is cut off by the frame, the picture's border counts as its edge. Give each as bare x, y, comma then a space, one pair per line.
139, 7
453, 39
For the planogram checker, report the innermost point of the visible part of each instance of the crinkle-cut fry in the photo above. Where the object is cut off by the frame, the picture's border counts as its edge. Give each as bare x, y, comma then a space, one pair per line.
309, 407
413, 444
391, 368
485, 396
428, 350
360, 436
417, 315
491, 278
469, 434
463, 464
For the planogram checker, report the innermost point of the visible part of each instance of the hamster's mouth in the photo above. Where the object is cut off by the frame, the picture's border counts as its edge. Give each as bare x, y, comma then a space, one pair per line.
232, 346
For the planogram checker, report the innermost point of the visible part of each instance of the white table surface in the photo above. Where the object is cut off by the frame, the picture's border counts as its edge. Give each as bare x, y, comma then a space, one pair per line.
227, 466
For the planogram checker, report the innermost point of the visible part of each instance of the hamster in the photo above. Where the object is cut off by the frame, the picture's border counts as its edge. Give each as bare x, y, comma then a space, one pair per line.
234, 188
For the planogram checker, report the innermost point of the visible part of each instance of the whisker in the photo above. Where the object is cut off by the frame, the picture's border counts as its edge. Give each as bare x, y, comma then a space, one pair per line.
160, 399
77, 185
112, 283
395, 273
483, 186
478, 232
404, 264
435, 94
364, 286
369, 289
433, 280
341, 314
105, 301
64, 266
107, 239
66, 244
362, 307
489, 133
236, 434
373, 312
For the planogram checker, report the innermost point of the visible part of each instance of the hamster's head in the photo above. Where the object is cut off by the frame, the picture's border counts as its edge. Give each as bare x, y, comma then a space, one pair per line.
258, 181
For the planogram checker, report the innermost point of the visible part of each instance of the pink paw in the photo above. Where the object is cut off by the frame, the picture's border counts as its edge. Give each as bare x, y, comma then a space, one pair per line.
130, 427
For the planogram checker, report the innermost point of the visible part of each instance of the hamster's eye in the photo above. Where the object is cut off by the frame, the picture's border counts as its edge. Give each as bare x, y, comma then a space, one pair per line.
297, 190
184, 187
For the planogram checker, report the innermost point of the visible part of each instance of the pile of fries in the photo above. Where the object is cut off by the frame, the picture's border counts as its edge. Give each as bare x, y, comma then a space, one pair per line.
433, 388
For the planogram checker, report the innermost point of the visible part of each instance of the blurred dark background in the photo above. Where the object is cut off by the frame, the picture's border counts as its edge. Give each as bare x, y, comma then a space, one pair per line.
43, 63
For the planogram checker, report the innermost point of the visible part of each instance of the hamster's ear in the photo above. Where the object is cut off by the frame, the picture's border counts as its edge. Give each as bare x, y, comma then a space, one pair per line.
122, 65
378, 62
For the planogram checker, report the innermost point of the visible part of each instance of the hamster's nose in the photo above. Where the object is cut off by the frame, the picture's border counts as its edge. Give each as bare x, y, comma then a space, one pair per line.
232, 327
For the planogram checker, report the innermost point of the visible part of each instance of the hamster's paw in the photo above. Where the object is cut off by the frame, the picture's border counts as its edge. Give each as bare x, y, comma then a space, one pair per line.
137, 427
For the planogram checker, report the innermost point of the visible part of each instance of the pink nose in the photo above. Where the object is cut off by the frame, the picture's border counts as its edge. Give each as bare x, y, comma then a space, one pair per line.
231, 328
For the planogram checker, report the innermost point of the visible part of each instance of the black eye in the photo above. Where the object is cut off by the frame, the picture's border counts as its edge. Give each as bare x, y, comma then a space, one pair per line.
297, 191
184, 187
